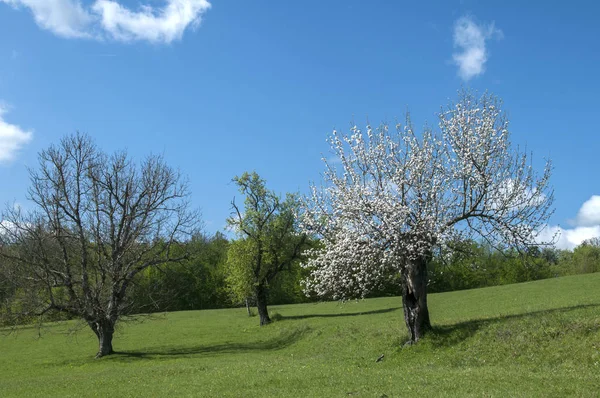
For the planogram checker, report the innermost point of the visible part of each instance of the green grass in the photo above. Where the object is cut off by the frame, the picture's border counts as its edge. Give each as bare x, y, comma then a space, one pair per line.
533, 339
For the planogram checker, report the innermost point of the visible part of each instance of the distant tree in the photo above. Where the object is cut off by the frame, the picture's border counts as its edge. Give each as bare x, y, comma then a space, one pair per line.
269, 241
7, 290
586, 257
398, 195
207, 265
594, 242
564, 263
460, 265
550, 255
193, 284
99, 221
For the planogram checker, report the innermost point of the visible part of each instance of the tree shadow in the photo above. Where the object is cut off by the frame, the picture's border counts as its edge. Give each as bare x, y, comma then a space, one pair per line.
285, 339
450, 335
374, 312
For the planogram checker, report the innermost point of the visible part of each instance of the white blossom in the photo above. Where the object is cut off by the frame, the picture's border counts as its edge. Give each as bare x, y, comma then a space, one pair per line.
395, 194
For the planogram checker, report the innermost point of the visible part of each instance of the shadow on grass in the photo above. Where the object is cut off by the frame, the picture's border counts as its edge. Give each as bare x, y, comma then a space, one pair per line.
374, 312
284, 340
449, 335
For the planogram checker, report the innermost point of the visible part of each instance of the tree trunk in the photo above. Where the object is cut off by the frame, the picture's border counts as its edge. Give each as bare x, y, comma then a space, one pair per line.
414, 298
261, 305
104, 330
248, 306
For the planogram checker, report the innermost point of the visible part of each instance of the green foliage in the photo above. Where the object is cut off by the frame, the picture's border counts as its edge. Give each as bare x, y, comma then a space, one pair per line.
586, 258
286, 287
269, 242
240, 278
195, 283
472, 265
536, 339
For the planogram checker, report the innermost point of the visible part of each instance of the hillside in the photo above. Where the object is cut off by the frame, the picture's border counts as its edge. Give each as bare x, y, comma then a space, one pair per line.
533, 339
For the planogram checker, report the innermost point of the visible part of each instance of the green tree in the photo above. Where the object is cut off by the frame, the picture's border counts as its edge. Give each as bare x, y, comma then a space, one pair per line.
269, 241
586, 257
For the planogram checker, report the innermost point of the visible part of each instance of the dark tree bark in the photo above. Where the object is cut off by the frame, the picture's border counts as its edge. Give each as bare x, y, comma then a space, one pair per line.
104, 330
414, 299
261, 305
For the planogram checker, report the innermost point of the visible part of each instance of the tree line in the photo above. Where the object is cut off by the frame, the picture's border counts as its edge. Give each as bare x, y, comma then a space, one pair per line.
400, 213
205, 280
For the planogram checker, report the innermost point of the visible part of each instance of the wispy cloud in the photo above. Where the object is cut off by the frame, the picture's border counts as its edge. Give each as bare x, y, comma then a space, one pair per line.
587, 226
470, 41
12, 138
155, 25
65, 18
109, 19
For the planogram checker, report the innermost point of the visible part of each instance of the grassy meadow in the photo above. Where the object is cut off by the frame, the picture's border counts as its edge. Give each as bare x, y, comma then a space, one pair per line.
532, 339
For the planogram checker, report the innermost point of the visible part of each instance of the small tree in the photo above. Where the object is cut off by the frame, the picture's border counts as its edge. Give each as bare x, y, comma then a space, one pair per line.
586, 256
98, 222
398, 195
269, 241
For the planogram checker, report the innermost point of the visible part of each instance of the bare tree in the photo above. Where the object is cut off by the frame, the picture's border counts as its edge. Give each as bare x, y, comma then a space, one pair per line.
99, 221
399, 195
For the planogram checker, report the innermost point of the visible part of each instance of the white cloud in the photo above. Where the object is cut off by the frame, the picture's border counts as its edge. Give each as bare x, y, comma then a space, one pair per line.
589, 214
108, 18
568, 238
12, 139
587, 226
9, 228
66, 18
470, 39
162, 25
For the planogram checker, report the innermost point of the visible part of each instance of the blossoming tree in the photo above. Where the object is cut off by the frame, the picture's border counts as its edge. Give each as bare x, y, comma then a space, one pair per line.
395, 196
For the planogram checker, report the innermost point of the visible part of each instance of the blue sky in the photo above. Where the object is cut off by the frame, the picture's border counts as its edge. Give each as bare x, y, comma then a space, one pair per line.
224, 87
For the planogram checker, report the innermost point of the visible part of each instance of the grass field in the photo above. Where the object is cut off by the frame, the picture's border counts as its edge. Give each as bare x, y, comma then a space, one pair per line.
533, 339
